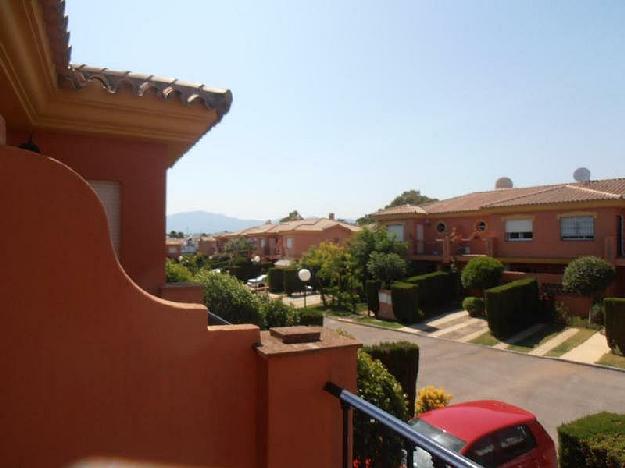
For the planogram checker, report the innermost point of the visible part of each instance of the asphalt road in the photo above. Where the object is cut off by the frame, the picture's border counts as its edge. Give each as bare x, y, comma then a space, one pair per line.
556, 391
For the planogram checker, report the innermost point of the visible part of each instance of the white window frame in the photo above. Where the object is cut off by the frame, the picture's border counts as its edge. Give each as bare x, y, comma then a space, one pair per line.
573, 225
519, 230
397, 230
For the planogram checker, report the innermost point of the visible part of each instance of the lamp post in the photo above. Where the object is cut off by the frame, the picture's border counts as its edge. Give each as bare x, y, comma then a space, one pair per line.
304, 276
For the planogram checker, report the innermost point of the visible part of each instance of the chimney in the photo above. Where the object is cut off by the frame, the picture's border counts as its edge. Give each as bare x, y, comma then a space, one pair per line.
331, 216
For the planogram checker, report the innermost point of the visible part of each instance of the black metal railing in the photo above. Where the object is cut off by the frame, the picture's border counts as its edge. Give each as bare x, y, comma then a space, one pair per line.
441, 456
214, 319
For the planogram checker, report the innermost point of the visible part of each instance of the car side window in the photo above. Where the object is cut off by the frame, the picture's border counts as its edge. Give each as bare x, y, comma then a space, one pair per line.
483, 452
512, 442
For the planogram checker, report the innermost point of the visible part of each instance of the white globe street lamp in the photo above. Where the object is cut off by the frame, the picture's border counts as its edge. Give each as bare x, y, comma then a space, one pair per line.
304, 276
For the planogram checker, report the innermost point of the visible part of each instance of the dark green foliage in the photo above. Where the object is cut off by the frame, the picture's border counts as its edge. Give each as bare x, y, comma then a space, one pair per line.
420, 267
595, 441
292, 283
244, 269
275, 280
587, 276
435, 289
386, 267
615, 323
474, 305
401, 358
310, 317
278, 314
372, 440
482, 273
411, 197
176, 273
367, 241
265, 267
512, 307
373, 300
405, 299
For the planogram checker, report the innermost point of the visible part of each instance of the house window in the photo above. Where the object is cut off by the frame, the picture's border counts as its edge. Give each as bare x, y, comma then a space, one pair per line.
480, 226
289, 242
397, 230
518, 230
262, 243
577, 228
441, 227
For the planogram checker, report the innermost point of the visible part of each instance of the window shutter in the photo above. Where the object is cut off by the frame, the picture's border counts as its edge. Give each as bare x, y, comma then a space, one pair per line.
519, 225
397, 229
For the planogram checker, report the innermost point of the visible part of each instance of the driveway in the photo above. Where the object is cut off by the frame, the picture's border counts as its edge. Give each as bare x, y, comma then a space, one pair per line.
556, 391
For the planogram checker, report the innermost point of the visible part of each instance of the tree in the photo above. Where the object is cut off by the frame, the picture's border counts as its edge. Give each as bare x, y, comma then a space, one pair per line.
176, 235
238, 247
482, 273
364, 220
333, 274
588, 276
410, 197
176, 272
293, 216
386, 267
367, 241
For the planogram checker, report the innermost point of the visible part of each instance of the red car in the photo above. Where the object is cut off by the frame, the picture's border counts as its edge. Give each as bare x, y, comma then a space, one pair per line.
491, 433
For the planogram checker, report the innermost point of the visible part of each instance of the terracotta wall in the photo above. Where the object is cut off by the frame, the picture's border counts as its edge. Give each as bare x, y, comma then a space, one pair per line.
183, 292
140, 168
302, 241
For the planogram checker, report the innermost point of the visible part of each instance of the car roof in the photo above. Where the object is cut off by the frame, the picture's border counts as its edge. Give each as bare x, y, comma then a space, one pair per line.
472, 420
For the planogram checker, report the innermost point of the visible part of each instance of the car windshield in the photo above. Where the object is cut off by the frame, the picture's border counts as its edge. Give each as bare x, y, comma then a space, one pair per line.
444, 438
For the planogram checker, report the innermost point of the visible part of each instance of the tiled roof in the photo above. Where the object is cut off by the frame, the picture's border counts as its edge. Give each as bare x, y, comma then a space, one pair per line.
302, 225
608, 189
79, 76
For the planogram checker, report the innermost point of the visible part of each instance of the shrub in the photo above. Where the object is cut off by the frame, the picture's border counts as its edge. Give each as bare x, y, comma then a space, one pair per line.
227, 297
430, 398
401, 359
244, 269
176, 273
372, 440
595, 441
372, 288
512, 307
405, 297
311, 317
386, 267
435, 289
275, 280
615, 323
482, 273
277, 313
587, 276
292, 283
597, 313
474, 305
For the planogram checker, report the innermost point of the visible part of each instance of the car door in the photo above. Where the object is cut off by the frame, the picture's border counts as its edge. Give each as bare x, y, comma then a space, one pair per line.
516, 447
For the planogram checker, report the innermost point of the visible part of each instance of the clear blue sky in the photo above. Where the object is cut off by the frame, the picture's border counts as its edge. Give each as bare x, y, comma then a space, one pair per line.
341, 105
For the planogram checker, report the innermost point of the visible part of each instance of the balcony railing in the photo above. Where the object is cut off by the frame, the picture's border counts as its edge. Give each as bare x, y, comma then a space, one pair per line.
441, 456
214, 319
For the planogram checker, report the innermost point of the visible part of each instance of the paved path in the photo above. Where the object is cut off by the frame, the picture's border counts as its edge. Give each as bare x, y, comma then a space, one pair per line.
553, 342
590, 350
556, 391
519, 336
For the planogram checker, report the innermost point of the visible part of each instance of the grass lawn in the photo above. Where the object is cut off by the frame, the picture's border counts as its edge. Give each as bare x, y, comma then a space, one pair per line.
582, 335
541, 336
360, 316
611, 359
485, 339
378, 323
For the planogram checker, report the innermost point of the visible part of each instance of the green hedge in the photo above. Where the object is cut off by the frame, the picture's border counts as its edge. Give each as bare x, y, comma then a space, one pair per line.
512, 307
595, 441
405, 297
401, 358
292, 283
244, 271
311, 317
474, 305
615, 322
275, 280
372, 288
435, 289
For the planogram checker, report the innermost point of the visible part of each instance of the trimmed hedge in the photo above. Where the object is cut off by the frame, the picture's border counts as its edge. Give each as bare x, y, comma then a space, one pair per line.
405, 297
292, 283
435, 289
275, 280
401, 358
595, 441
372, 288
615, 323
512, 307
474, 305
482, 273
244, 271
311, 318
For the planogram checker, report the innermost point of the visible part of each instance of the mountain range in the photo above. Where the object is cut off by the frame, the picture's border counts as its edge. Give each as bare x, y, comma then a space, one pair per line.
196, 222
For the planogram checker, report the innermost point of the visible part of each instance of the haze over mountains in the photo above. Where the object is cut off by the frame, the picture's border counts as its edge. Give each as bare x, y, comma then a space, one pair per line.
195, 222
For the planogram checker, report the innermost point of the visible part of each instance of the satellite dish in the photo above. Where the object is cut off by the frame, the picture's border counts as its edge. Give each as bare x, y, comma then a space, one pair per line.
503, 182
581, 174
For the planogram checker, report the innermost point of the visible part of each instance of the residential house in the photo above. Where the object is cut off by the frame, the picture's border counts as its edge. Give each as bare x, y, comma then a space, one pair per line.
96, 371
207, 245
173, 246
536, 230
291, 239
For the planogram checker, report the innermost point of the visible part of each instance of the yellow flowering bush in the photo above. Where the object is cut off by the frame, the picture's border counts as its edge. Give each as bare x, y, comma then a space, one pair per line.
430, 398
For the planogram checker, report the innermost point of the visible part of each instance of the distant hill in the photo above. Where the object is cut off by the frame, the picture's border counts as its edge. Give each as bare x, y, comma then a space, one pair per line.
196, 222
